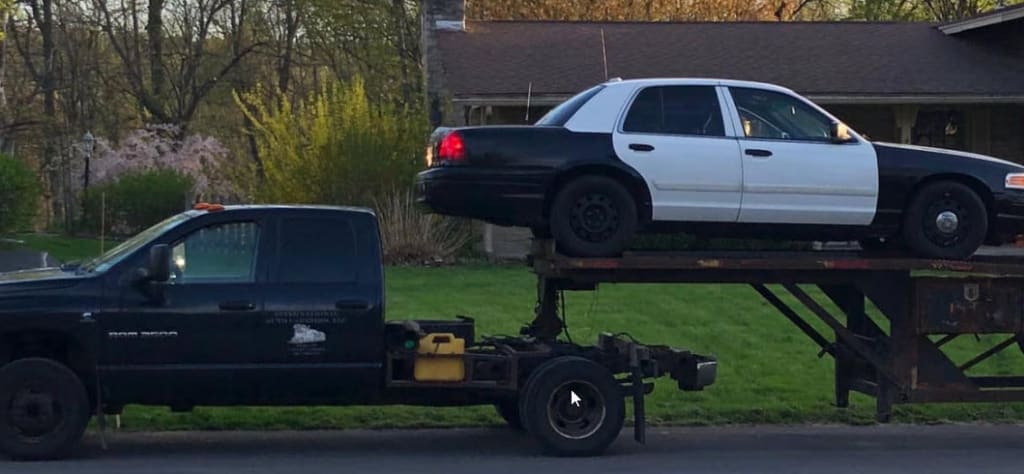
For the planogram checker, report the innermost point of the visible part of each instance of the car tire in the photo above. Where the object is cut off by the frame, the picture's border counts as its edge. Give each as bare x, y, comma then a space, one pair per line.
44, 409
509, 411
562, 427
593, 216
946, 220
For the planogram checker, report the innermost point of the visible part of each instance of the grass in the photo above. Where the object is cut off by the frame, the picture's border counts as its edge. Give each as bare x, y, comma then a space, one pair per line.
63, 248
769, 372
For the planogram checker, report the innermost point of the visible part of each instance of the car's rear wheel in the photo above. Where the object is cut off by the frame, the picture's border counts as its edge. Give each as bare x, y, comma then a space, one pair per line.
945, 219
573, 407
44, 409
593, 216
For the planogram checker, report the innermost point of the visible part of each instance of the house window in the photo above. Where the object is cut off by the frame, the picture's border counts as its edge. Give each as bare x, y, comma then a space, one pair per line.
941, 128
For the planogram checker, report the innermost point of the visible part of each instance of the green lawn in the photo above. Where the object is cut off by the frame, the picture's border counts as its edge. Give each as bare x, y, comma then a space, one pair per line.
768, 371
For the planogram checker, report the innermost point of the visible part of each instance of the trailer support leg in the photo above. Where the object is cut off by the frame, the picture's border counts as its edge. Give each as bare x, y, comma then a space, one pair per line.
546, 324
851, 301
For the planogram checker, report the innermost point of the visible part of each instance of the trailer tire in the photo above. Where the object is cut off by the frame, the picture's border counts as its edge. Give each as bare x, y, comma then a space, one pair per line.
564, 428
44, 409
509, 411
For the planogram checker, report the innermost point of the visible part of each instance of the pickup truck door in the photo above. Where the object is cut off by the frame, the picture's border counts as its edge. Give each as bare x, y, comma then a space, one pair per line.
792, 172
675, 137
196, 344
325, 308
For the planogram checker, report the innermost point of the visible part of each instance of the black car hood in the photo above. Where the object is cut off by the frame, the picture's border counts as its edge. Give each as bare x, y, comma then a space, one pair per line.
37, 279
943, 153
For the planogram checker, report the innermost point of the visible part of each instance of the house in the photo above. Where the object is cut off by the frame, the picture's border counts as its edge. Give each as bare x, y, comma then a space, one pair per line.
957, 85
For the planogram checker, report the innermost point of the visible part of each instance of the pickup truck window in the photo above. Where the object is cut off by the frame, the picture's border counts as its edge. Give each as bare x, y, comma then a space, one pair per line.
773, 115
122, 250
561, 114
220, 253
676, 110
317, 250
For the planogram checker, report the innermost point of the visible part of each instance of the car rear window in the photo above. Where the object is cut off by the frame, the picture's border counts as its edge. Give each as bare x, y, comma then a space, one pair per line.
558, 116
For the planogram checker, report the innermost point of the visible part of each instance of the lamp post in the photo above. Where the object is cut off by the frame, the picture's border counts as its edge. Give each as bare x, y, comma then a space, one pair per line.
89, 144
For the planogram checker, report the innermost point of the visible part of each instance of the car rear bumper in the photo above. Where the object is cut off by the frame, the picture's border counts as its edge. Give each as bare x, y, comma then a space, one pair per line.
508, 198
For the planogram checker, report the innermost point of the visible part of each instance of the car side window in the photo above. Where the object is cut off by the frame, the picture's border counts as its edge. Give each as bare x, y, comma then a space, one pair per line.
778, 116
317, 250
676, 110
220, 253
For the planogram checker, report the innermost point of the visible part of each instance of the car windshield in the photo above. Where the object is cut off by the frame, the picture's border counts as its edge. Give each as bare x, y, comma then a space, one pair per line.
111, 257
561, 114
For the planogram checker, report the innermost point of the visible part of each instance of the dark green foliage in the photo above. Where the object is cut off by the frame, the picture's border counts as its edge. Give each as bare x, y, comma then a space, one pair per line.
19, 195
135, 201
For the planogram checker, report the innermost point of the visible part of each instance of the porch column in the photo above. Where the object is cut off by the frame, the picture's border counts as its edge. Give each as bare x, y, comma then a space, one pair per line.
906, 116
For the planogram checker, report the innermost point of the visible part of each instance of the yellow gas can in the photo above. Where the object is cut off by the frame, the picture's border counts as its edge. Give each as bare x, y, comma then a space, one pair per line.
439, 358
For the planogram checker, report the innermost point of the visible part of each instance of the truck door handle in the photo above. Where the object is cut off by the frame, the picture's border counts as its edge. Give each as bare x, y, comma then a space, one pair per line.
352, 304
641, 147
758, 153
237, 306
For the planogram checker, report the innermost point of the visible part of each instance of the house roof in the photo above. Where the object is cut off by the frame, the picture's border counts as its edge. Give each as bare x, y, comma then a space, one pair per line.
821, 59
994, 17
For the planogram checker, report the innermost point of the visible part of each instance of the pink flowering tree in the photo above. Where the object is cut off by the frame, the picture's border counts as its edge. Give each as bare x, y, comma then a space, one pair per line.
162, 147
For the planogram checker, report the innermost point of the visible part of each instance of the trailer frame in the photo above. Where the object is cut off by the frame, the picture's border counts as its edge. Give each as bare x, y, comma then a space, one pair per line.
922, 305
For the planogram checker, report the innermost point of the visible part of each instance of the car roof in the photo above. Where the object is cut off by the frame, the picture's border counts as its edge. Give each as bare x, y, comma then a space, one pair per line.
284, 207
695, 81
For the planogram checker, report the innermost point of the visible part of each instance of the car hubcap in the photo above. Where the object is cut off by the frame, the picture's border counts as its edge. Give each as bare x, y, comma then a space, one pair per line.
594, 218
947, 222
576, 410
34, 412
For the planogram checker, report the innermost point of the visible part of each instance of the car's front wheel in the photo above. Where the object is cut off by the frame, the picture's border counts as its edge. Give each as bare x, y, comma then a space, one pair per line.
44, 409
593, 216
945, 219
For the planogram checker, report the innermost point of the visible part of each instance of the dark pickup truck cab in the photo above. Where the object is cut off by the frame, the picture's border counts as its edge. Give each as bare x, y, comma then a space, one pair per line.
282, 305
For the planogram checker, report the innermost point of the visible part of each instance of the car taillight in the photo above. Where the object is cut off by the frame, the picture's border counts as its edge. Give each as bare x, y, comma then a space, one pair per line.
451, 149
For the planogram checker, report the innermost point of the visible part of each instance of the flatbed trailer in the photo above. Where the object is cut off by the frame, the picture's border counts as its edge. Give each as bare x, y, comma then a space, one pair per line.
897, 357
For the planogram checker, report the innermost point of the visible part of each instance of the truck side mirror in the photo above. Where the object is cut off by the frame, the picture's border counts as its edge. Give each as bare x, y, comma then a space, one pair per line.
158, 269
839, 133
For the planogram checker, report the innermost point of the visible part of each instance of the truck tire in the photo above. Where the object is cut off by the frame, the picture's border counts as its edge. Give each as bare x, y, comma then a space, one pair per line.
509, 411
945, 219
573, 407
593, 216
44, 409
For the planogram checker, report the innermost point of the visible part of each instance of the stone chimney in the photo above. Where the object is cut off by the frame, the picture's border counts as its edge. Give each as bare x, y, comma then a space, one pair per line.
438, 16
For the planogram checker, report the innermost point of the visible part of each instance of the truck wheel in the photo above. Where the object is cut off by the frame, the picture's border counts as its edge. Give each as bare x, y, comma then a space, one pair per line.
509, 411
44, 409
593, 216
573, 407
945, 219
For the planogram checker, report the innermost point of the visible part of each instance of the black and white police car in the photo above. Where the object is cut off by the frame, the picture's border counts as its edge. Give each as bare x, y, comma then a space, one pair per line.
717, 157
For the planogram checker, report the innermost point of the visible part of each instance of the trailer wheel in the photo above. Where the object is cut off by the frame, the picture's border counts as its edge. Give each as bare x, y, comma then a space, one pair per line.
573, 407
593, 216
945, 219
509, 411
44, 409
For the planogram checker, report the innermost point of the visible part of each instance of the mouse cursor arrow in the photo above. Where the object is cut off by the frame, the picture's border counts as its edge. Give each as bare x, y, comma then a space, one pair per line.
574, 399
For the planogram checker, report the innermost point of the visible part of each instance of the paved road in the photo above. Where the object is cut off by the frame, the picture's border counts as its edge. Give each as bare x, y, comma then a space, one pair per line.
790, 450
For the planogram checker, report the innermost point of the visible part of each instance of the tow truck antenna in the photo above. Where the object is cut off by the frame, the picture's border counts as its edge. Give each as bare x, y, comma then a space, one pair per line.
529, 95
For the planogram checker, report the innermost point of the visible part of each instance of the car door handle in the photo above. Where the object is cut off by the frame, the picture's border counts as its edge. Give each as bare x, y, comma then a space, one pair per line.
352, 304
758, 153
641, 147
237, 306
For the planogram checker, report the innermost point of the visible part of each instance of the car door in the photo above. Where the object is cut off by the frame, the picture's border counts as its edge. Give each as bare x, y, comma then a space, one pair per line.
325, 309
675, 137
792, 172
196, 340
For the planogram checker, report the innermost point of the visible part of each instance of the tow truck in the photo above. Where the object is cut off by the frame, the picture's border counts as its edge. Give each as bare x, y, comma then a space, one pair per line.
284, 305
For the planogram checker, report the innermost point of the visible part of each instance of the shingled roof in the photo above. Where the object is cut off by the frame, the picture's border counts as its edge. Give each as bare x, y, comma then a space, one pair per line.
820, 59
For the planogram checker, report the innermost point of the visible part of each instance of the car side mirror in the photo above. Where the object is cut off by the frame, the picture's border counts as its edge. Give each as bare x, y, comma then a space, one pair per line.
839, 133
158, 268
